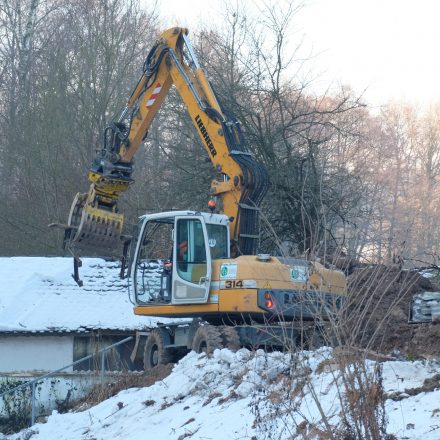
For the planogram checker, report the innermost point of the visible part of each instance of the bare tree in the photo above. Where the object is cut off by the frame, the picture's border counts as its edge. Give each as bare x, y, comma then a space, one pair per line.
68, 67
294, 133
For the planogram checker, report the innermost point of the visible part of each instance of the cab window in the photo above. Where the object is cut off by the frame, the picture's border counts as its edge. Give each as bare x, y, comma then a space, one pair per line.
218, 240
155, 249
190, 250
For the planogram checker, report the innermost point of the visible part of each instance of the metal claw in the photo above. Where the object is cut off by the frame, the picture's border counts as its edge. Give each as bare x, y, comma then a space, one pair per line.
77, 263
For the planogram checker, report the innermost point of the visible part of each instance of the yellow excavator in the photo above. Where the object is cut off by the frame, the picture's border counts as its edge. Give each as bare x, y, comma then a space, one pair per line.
200, 265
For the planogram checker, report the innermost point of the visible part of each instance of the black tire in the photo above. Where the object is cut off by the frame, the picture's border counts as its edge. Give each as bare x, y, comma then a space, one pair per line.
207, 339
230, 337
155, 352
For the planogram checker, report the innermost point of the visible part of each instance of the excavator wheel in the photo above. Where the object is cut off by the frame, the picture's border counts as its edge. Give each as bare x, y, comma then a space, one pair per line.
230, 337
155, 351
207, 339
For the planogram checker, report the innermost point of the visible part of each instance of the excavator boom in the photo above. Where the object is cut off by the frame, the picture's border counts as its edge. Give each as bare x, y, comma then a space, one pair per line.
95, 224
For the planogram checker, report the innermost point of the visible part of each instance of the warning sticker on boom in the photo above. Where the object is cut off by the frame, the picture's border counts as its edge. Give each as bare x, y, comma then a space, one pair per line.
228, 271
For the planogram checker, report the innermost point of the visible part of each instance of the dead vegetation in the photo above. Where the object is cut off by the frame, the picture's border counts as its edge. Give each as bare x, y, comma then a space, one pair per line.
376, 316
100, 393
211, 397
430, 384
371, 328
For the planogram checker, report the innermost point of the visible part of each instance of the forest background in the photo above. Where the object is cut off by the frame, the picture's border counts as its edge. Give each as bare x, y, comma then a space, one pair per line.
344, 177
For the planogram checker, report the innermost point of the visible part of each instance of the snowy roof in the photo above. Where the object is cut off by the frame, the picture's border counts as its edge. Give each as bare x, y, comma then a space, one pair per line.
38, 294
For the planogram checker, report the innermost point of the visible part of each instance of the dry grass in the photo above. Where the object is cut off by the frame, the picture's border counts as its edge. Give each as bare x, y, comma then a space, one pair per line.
211, 397
100, 393
430, 384
378, 296
231, 396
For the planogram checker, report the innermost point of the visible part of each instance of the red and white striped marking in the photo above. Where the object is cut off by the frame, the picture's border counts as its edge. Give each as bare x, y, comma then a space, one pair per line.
153, 96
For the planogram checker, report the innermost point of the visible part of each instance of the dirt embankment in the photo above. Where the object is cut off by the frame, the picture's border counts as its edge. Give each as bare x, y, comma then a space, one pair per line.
378, 310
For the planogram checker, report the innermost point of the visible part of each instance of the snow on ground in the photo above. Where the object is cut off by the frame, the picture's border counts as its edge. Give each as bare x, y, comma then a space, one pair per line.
247, 395
39, 294
227, 396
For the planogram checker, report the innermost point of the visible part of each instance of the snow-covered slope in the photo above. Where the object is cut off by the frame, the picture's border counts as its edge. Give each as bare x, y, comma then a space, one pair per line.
248, 395
38, 294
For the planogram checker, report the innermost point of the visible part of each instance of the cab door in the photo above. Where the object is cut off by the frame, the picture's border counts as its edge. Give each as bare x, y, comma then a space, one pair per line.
192, 261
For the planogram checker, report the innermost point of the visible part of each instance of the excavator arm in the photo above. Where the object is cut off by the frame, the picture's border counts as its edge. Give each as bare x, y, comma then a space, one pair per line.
94, 221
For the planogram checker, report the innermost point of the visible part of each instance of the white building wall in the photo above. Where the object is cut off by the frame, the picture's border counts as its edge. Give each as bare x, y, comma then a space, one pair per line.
35, 353
48, 392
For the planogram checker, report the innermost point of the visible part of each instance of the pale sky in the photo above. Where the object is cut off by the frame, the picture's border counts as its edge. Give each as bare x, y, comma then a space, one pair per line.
389, 48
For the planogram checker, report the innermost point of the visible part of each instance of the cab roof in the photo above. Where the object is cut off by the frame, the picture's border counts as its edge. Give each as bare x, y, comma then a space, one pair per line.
170, 215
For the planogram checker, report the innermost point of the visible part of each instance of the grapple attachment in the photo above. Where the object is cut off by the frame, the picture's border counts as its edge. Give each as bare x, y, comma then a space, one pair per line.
96, 230
93, 229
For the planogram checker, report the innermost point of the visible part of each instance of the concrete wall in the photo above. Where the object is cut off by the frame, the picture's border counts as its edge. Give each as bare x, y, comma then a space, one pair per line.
35, 353
49, 392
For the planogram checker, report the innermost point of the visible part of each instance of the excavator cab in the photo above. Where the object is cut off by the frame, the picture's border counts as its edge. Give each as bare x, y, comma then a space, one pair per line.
172, 260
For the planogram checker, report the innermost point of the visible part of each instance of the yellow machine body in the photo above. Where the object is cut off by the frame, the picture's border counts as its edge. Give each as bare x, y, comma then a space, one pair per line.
232, 297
